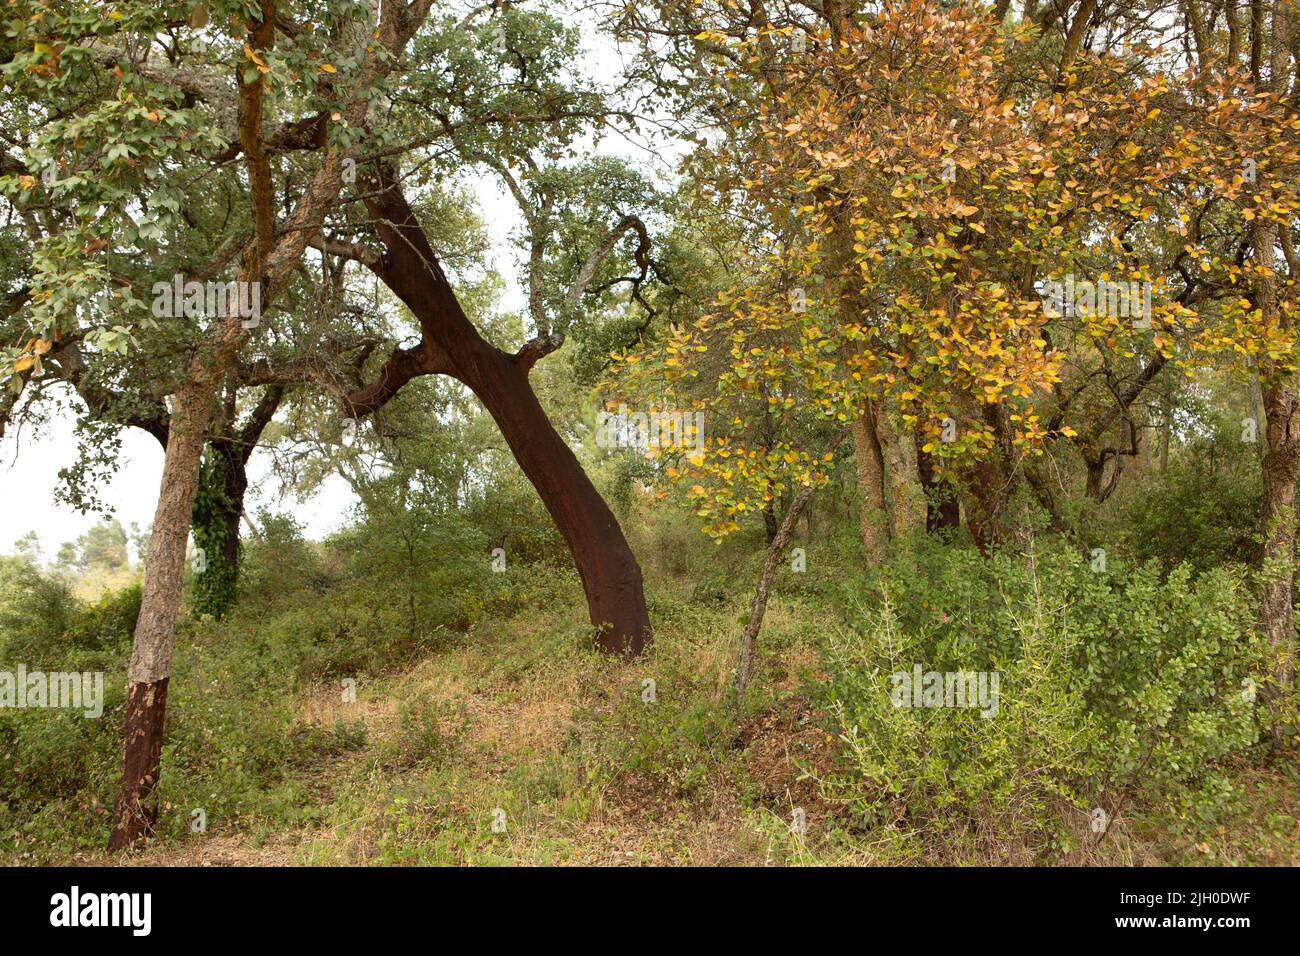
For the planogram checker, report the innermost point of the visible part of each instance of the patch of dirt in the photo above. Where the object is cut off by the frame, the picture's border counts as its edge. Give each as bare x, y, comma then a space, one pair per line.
642, 820
640, 823
782, 743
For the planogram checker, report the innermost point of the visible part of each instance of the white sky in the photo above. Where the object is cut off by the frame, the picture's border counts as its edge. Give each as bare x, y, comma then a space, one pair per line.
29, 470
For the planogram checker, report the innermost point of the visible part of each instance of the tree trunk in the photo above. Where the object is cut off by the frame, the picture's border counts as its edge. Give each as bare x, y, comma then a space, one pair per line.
135, 811
1096, 471
451, 345
1042, 489
1234, 33
1280, 469
223, 482
769, 522
611, 577
873, 521
942, 509
989, 483
1074, 39
749, 639
1167, 427
236, 488
271, 264
906, 498
985, 482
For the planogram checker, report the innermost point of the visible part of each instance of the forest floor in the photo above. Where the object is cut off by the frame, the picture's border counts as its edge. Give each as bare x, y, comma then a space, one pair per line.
594, 765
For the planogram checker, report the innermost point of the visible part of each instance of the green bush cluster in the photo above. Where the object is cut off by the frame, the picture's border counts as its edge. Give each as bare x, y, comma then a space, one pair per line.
57, 766
1120, 685
1197, 514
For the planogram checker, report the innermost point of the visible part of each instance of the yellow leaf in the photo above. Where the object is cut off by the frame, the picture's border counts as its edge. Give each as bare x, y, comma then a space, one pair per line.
256, 58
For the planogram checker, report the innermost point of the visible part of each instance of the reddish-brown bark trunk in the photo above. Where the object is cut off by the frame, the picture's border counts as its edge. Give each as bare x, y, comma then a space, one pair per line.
989, 484
985, 500
136, 808
611, 576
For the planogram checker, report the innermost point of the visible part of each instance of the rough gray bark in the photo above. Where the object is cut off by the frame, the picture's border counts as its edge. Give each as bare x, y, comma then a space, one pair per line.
1280, 471
1281, 464
902, 481
873, 520
749, 639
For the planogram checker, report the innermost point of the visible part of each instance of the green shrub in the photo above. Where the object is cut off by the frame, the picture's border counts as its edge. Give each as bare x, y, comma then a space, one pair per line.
944, 771
278, 562
1116, 685
108, 623
1202, 510
35, 611
1193, 516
